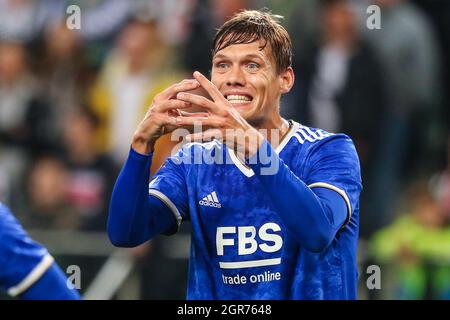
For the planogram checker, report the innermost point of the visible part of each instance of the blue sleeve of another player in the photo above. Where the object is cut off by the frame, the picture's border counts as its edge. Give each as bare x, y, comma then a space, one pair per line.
312, 215
136, 216
27, 269
51, 286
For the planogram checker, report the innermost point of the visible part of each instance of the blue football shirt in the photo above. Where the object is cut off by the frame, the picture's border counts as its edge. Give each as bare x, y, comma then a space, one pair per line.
240, 248
22, 260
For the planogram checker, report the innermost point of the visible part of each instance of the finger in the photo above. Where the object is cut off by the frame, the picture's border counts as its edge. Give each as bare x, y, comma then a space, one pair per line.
172, 104
185, 85
210, 121
200, 101
193, 114
207, 135
160, 119
167, 120
215, 94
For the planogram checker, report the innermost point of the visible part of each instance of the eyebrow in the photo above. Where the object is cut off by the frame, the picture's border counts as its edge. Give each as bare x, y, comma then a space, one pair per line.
248, 56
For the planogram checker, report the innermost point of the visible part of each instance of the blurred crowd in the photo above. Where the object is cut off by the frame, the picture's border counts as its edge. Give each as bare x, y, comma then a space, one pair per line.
70, 101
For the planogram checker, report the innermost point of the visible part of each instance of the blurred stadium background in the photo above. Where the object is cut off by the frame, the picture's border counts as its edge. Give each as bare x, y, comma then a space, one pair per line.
70, 101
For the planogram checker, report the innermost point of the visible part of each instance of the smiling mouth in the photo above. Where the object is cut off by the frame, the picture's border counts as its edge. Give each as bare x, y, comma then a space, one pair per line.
239, 99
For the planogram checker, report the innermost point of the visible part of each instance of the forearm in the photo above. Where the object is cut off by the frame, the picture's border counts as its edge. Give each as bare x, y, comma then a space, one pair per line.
134, 216
312, 217
51, 286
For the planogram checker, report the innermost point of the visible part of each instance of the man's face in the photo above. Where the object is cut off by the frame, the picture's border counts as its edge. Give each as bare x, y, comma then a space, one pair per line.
247, 77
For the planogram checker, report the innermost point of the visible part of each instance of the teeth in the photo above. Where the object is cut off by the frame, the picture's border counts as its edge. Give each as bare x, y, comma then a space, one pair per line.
234, 98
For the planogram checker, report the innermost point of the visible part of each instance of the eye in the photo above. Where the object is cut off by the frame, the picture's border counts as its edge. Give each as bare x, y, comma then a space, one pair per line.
252, 66
221, 65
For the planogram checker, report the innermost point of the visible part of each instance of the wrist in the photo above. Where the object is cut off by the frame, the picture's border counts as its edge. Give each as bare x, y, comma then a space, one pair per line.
253, 143
265, 161
142, 146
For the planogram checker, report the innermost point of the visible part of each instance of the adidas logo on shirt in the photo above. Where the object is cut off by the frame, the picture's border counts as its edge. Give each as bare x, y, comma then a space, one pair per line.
210, 200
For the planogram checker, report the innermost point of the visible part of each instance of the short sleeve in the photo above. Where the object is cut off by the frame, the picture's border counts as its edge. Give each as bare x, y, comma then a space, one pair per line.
23, 261
169, 185
333, 163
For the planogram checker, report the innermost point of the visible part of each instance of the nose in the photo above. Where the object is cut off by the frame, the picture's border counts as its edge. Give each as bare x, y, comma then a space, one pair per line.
236, 77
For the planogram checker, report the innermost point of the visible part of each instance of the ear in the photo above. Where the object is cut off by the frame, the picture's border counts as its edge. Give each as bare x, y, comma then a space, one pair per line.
287, 79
